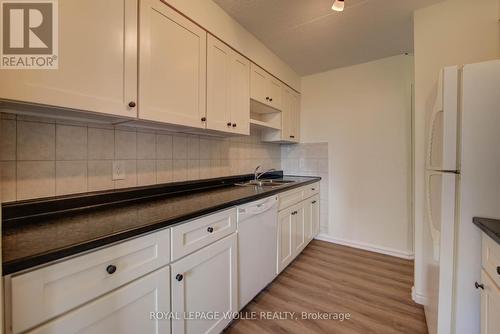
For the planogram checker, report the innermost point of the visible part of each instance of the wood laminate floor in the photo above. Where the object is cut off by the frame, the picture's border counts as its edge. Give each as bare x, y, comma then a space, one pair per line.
374, 289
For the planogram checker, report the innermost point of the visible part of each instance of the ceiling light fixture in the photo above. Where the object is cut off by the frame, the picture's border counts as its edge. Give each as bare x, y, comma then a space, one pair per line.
338, 5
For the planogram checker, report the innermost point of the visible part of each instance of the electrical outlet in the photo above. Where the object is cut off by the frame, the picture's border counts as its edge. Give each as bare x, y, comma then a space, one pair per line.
118, 170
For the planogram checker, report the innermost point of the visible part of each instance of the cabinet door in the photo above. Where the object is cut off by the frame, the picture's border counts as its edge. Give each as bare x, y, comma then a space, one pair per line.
205, 282
315, 218
286, 114
240, 94
125, 310
295, 118
285, 232
299, 229
219, 66
259, 84
97, 61
490, 305
275, 89
172, 67
311, 208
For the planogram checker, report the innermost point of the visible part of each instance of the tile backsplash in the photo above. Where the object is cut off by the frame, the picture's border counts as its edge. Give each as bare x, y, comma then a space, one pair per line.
45, 157
309, 159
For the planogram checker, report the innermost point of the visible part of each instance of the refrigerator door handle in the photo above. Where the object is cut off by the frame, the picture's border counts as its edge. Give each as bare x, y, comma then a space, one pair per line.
435, 233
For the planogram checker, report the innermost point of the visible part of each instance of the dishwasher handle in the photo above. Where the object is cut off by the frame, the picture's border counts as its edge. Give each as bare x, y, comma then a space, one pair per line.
258, 208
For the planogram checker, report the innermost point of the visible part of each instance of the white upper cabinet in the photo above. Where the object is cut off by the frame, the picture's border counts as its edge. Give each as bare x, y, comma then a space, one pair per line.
172, 67
290, 119
264, 88
97, 61
228, 89
240, 94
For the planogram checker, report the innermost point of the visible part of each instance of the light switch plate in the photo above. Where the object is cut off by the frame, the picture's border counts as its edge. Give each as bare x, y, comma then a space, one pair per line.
118, 170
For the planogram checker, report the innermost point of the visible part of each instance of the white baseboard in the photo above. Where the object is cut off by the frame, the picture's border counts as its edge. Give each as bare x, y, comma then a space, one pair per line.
417, 298
368, 247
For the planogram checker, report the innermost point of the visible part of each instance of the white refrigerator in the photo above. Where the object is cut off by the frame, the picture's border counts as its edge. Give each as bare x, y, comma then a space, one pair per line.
462, 180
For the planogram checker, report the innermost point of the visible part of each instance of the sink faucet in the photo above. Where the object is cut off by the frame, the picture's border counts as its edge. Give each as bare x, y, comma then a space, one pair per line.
257, 175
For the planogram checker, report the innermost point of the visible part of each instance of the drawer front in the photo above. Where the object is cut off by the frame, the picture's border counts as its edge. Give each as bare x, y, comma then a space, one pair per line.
311, 190
290, 198
491, 258
44, 293
191, 236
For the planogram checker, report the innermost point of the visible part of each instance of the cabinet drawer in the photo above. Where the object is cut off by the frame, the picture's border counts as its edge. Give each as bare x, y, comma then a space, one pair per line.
491, 258
290, 198
44, 293
191, 236
311, 190
125, 310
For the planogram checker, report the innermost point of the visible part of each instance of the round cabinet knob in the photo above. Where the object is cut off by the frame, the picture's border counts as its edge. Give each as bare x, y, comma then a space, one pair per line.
210, 229
203, 119
479, 286
498, 270
267, 98
234, 125
179, 277
131, 104
228, 123
270, 100
111, 269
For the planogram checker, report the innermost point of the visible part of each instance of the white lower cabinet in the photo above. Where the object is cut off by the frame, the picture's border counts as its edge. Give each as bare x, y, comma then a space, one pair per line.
205, 282
299, 228
311, 217
490, 306
298, 224
285, 231
126, 310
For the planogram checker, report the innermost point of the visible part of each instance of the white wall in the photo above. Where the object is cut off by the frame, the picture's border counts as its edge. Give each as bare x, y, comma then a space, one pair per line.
213, 18
450, 33
364, 113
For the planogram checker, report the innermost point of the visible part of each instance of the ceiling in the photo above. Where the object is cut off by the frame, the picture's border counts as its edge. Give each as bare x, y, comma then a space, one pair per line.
311, 38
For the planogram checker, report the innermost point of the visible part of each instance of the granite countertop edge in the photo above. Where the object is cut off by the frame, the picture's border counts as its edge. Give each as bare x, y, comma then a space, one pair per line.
23, 264
491, 227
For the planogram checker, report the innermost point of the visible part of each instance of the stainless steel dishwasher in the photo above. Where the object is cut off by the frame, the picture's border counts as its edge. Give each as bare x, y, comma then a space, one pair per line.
257, 247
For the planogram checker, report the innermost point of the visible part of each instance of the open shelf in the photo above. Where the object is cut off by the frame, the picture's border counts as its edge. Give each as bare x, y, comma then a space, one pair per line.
270, 121
264, 125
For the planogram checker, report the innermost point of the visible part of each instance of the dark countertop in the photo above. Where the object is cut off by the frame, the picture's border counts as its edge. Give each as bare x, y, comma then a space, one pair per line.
39, 232
489, 226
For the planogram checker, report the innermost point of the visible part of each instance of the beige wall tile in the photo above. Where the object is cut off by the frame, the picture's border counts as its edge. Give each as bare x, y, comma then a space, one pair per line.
163, 147
8, 181
100, 175
35, 179
71, 142
180, 147
130, 175
36, 141
215, 151
205, 169
146, 172
179, 170
163, 171
146, 145
193, 169
193, 147
71, 177
101, 144
125, 145
205, 149
8, 140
